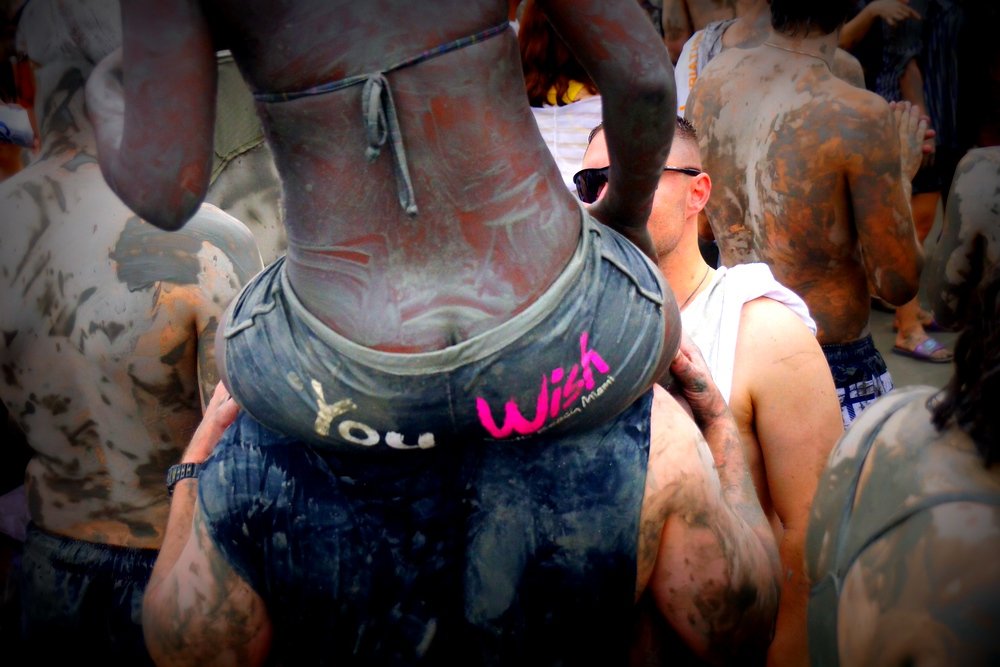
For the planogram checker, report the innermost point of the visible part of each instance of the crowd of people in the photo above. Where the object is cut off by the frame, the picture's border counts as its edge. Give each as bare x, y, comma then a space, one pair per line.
483, 332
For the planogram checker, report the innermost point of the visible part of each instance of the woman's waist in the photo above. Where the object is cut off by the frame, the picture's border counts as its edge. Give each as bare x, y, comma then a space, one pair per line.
415, 299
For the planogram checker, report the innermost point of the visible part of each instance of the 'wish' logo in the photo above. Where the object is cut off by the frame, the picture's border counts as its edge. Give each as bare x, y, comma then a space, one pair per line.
559, 392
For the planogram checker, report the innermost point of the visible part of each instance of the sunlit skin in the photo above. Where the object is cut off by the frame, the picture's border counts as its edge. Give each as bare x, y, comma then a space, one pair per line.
970, 235
812, 176
108, 328
782, 397
926, 592
681, 18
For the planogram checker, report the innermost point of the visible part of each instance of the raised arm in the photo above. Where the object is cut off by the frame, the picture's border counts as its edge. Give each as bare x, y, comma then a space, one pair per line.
716, 576
890, 11
154, 110
197, 610
619, 47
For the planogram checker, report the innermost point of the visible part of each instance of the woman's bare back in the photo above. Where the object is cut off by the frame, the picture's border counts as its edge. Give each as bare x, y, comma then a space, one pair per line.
494, 226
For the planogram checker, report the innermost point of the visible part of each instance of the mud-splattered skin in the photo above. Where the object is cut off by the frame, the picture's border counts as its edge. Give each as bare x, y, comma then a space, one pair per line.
970, 236
928, 591
681, 18
494, 225
107, 328
808, 179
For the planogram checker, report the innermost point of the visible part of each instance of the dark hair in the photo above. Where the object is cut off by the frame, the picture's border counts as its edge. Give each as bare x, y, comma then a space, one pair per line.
545, 59
685, 129
793, 17
971, 399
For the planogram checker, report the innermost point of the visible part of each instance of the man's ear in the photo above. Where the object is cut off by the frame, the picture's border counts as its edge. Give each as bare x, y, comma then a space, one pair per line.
701, 189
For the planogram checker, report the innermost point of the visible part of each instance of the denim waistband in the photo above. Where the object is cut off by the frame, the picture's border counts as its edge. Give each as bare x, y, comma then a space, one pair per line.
473, 349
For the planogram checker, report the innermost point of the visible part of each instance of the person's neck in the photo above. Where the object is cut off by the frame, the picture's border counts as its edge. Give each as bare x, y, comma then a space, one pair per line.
752, 26
685, 270
811, 45
61, 110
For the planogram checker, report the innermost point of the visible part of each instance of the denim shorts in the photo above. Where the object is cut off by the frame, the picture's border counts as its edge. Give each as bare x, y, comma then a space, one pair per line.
576, 357
83, 599
491, 553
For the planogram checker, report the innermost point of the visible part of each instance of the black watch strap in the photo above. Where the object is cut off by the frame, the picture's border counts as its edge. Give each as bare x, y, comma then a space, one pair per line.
176, 473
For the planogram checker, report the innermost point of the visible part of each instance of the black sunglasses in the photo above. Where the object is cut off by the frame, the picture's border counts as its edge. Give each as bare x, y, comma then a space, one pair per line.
590, 181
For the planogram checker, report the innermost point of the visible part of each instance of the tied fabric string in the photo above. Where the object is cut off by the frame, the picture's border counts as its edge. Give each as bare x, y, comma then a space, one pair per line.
382, 124
379, 111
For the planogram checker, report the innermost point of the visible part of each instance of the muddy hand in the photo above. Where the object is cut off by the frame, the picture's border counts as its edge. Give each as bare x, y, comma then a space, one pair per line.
219, 414
693, 383
915, 136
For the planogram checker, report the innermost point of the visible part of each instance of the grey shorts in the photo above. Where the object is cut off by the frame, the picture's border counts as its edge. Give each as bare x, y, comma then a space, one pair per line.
577, 357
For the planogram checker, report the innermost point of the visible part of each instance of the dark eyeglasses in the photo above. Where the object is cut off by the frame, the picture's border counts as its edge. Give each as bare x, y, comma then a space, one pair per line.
590, 181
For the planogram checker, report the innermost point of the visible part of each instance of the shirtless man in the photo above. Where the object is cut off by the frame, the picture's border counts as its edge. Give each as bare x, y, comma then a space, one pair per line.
905, 527
682, 18
970, 236
760, 345
107, 353
814, 185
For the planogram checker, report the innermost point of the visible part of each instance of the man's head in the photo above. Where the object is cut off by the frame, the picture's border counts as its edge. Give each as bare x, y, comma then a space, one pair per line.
680, 195
795, 17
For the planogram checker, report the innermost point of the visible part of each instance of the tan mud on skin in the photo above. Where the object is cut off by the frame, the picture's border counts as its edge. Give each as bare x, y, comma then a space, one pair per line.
970, 235
808, 179
107, 328
925, 591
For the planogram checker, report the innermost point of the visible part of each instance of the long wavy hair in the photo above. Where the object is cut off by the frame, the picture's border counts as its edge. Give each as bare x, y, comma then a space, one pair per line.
971, 399
546, 60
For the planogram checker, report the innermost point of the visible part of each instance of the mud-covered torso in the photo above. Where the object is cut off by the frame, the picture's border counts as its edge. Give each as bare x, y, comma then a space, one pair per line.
99, 353
778, 134
493, 229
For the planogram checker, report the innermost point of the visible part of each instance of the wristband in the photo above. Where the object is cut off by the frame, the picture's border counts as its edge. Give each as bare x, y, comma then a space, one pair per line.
176, 473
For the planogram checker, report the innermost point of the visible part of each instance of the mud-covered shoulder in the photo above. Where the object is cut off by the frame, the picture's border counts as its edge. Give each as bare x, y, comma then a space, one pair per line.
969, 242
145, 254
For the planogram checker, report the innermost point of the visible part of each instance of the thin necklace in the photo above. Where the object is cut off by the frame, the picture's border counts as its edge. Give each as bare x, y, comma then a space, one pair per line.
801, 53
696, 288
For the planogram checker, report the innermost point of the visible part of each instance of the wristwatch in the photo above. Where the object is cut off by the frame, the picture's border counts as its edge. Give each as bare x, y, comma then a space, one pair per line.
176, 473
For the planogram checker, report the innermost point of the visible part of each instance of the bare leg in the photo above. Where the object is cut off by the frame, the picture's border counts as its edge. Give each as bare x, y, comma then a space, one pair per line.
910, 317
